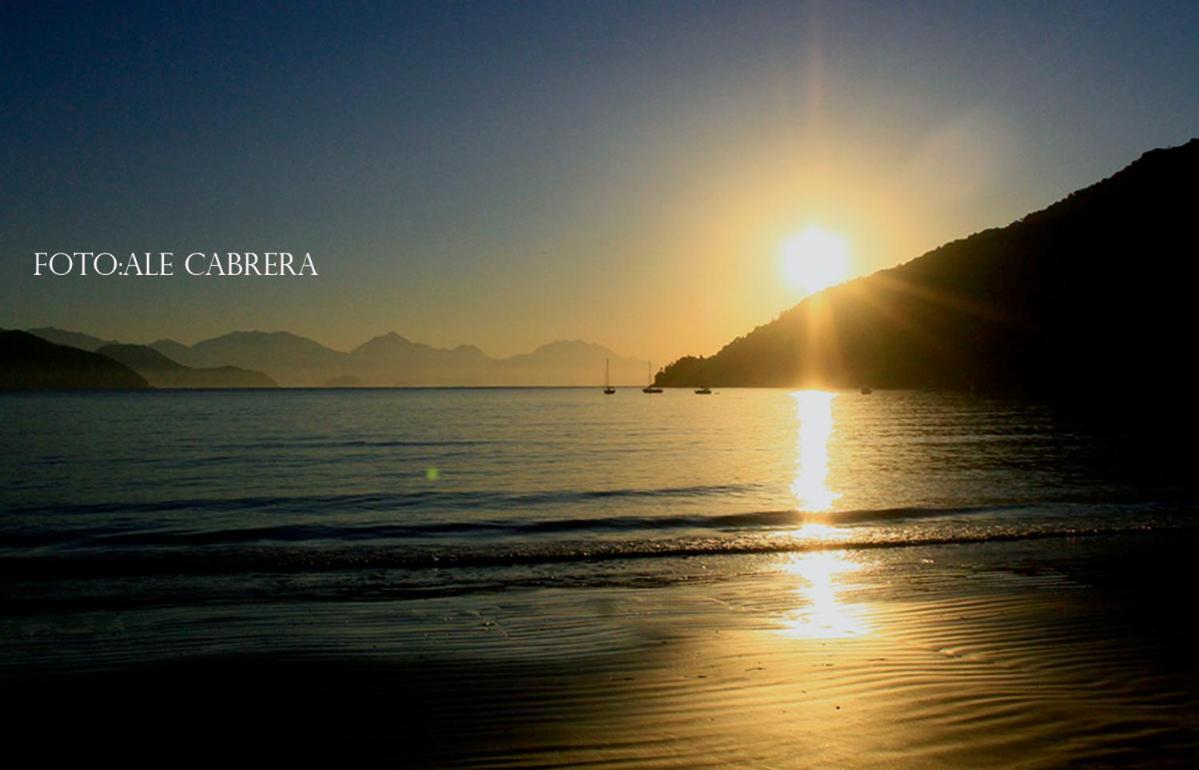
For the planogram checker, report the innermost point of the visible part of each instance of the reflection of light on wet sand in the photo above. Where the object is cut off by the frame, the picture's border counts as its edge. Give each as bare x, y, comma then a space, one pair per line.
820, 533
815, 412
824, 615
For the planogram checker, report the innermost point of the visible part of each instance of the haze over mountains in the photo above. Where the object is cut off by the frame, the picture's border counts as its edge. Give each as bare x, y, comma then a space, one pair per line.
384, 361
1097, 291
161, 372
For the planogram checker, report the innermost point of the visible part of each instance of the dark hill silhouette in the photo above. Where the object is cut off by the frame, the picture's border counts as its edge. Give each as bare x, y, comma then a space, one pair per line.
28, 362
162, 372
1096, 291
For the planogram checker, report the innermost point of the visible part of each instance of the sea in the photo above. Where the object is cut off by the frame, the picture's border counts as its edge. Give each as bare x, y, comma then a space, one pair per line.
154, 524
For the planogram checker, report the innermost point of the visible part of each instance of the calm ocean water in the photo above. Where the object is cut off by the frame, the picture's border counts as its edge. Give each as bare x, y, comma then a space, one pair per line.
335, 561
213, 483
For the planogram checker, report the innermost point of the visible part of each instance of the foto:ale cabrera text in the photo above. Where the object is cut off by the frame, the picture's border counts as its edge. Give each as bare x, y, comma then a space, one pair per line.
163, 263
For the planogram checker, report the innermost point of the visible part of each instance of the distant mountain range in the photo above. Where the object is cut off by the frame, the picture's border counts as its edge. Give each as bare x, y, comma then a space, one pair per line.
1096, 292
162, 372
260, 359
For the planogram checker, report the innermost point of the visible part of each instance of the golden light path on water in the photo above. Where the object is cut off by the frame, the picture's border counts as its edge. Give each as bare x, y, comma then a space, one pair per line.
822, 613
814, 410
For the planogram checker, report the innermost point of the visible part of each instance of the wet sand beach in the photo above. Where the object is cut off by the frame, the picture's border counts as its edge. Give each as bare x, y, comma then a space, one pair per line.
1041, 653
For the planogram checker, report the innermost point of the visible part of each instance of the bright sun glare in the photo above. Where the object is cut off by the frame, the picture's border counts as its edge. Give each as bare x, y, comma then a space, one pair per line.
815, 259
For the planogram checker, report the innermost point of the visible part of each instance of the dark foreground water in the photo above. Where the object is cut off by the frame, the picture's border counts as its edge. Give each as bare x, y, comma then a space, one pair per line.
547, 528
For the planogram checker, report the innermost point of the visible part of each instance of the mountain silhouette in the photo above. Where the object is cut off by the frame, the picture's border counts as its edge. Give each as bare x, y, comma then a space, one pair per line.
1096, 291
173, 350
388, 360
70, 339
396, 360
287, 358
28, 362
161, 372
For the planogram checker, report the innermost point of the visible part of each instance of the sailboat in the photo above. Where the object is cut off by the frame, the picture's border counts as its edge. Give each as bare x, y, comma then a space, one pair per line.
649, 386
702, 390
608, 389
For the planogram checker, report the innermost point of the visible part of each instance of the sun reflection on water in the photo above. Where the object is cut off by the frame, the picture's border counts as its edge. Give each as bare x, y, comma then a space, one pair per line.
814, 409
823, 614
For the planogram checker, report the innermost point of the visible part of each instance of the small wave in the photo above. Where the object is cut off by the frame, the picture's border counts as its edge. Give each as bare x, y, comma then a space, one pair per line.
375, 501
355, 444
290, 560
476, 527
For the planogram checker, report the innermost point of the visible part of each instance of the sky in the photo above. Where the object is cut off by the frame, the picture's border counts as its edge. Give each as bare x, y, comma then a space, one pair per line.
507, 174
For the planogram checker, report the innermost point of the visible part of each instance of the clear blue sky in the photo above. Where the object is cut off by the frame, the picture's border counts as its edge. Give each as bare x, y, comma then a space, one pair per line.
505, 174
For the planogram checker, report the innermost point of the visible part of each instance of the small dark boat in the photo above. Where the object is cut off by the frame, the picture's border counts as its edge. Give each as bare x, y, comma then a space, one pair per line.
608, 389
649, 388
704, 391
865, 391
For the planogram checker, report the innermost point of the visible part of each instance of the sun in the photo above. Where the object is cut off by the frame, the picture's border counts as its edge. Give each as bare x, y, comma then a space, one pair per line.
815, 259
